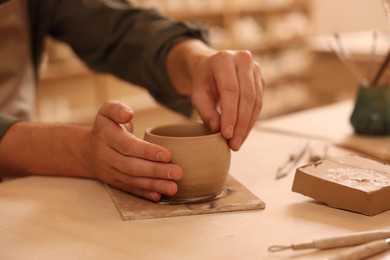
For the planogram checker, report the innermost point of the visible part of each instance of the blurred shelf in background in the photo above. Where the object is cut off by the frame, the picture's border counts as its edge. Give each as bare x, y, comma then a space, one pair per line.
331, 79
273, 30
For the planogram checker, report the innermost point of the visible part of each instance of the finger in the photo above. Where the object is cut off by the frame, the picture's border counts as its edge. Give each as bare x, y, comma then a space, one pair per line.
205, 103
129, 183
259, 86
224, 71
144, 168
156, 185
147, 194
116, 112
128, 127
247, 97
124, 142
132, 146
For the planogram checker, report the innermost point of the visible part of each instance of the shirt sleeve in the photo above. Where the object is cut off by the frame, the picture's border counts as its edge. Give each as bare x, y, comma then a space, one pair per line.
128, 42
5, 123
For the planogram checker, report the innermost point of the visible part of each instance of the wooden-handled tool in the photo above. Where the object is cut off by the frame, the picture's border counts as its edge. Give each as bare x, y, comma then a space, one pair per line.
338, 241
363, 251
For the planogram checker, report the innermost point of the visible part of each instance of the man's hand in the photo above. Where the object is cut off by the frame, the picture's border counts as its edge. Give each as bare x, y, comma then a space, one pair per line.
122, 160
226, 87
230, 81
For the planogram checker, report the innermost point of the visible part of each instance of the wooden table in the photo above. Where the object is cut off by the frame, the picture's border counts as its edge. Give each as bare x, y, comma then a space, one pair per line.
329, 122
68, 218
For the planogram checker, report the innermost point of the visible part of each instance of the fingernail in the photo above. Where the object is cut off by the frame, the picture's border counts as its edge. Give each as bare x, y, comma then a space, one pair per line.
124, 116
159, 156
213, 126
166, 188
236, 142
155, 196
229, 132
171, 173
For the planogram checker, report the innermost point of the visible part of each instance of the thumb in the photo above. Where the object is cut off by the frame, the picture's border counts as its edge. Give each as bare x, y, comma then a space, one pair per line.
117, 112
128, 127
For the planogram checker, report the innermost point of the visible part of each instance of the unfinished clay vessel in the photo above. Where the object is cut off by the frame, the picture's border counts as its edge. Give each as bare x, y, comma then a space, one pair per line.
203, 156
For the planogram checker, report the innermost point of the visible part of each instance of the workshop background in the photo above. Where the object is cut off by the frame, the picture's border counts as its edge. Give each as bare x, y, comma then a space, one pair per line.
294, 41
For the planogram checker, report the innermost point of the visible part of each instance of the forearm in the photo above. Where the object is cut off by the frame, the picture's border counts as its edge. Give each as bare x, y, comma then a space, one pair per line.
182, 60
39, 149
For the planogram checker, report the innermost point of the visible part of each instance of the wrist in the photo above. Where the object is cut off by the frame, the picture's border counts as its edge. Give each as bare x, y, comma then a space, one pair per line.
183, 60
40, 149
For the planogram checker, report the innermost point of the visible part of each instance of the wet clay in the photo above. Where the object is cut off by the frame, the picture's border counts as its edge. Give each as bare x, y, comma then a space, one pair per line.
349, 182
203, 156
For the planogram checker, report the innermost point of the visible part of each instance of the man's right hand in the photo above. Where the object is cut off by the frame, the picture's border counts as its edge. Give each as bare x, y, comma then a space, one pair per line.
120, 159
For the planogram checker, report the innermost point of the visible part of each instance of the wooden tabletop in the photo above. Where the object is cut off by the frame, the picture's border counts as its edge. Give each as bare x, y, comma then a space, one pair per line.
68, 218
328, 122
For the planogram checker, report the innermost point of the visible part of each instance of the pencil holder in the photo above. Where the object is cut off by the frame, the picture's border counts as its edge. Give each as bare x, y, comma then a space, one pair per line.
371, 114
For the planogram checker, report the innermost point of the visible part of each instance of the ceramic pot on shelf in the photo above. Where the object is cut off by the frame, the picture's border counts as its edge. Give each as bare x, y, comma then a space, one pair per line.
203, 156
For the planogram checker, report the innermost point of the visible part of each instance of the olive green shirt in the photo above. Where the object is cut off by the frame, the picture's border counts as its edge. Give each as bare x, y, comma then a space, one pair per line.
113, 37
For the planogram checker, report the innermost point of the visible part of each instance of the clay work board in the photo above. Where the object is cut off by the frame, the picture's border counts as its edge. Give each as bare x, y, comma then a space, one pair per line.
348, 182
236, 198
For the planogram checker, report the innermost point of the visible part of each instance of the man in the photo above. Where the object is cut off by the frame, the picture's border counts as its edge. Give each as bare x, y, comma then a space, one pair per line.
169, 58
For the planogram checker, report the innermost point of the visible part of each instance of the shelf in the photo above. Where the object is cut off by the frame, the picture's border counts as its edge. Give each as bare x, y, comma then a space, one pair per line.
262, 8
264, 27
272, 45
228, 7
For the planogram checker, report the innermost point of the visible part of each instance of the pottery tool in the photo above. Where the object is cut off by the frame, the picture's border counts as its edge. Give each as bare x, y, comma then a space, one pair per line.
373, 52
363, 251
381, 70
343, 50
294, 157
315, 154
337, 241
344, 56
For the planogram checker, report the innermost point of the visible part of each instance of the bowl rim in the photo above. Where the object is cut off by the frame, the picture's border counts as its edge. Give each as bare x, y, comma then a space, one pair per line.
149, 130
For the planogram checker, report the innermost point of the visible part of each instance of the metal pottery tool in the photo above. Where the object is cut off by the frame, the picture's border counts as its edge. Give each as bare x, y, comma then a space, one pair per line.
292, 160
337, 241
343, 56
382, 69
372, 55
315, 155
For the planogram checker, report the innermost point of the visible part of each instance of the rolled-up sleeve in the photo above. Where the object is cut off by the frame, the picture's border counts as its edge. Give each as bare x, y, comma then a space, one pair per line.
131, 43
5, 123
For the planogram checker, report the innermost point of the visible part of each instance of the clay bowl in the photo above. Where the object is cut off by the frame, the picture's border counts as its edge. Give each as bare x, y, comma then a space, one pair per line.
203, 156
